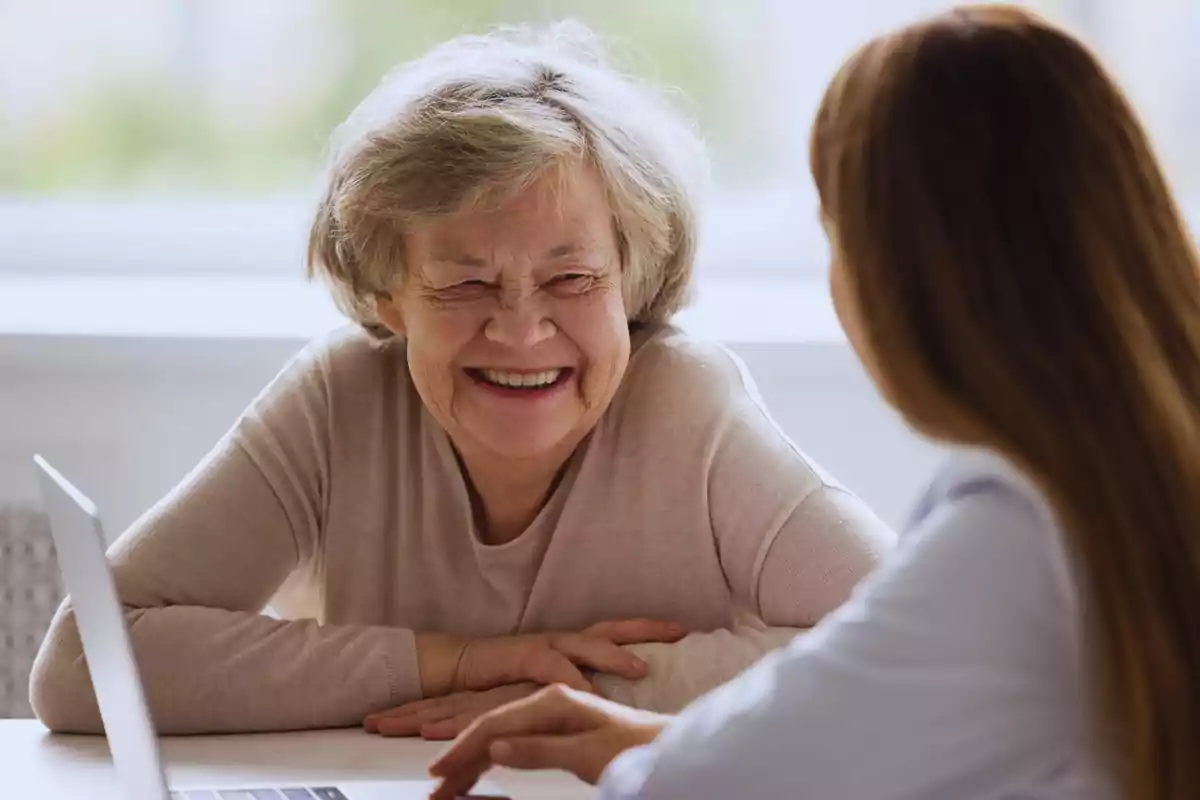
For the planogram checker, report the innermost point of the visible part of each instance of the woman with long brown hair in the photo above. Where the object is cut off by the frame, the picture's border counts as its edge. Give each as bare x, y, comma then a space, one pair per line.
1012, 270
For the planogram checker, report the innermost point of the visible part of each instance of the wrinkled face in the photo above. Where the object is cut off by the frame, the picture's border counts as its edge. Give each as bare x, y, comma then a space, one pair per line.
515, 322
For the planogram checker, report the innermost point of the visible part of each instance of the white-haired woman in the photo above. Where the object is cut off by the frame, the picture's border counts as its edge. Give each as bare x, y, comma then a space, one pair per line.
512, 471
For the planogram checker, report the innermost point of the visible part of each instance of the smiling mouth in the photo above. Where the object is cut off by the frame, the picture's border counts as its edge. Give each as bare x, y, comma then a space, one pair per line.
521, 381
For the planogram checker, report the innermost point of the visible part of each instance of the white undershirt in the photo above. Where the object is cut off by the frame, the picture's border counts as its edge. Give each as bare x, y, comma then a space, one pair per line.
953, 672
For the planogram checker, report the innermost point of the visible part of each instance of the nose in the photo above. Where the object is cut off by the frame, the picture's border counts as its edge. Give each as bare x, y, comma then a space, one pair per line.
520, 321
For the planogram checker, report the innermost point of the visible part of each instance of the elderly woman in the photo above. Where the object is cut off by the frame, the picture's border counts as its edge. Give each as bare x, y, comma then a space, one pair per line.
512, 471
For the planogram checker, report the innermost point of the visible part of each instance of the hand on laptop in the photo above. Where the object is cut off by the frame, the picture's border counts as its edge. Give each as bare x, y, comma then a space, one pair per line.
556, 728
459, 674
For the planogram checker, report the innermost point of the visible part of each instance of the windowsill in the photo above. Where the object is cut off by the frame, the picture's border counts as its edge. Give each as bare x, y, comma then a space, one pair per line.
750, 310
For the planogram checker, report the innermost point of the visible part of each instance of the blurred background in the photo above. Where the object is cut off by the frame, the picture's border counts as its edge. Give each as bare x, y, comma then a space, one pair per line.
158, 161
129, 122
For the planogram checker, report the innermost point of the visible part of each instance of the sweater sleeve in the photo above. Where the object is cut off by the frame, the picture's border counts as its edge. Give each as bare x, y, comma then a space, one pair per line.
793, 542
196, 572
688, 669
799, 573
807, 569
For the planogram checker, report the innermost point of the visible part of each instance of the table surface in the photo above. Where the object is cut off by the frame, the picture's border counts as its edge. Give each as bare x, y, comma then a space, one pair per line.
36, 764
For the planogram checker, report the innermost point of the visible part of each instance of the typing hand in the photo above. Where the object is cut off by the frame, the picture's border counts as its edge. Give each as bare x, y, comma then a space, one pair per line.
556, 728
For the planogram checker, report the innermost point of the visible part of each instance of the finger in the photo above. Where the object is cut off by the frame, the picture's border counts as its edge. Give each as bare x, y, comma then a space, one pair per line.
572, 753
415, 707
600, 654
444, 730
414, 724
446, 727
406, 719
637, 631
548, 666
371, 723
552, 710
456, 786
398, 728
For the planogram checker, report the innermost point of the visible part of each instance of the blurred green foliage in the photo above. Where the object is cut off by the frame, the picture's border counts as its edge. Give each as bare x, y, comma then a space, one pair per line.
141, 132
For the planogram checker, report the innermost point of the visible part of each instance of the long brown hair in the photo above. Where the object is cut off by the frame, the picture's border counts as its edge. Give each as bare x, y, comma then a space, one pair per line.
1027, 284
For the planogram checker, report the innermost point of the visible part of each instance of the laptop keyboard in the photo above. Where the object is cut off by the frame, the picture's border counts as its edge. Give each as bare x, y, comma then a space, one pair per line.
297, 793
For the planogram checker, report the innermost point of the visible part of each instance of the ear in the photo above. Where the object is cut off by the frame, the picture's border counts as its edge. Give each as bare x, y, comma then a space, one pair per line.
387, 309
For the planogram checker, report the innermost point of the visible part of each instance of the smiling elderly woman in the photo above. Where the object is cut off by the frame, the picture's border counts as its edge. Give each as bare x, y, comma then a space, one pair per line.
512, 471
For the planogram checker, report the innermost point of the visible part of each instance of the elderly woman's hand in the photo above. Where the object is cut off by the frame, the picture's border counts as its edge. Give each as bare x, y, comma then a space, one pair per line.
556, 728
462, 678
442, 718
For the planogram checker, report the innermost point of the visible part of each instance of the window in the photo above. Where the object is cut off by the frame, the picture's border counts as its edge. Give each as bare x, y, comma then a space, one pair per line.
186, 136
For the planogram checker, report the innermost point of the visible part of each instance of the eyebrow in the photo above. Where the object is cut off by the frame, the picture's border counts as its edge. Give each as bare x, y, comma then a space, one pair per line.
459, 260
559, 251
563, 250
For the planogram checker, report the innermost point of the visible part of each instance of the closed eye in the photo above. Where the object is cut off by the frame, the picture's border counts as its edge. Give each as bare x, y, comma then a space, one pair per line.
570, 279
474, 289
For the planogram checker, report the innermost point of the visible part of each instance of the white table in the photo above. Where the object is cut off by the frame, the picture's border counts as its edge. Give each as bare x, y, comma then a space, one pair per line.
36, 765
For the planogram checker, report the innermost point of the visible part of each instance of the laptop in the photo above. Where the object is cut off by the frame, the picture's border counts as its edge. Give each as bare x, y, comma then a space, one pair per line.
79, 538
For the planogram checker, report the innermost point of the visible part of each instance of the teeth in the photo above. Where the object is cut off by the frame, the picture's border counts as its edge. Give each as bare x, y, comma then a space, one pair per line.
521, 380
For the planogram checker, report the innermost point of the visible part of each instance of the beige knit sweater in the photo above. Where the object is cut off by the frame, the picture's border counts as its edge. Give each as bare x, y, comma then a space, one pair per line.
337, 500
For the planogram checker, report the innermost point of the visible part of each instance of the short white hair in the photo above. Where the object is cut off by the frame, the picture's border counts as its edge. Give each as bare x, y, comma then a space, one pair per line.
481, 115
